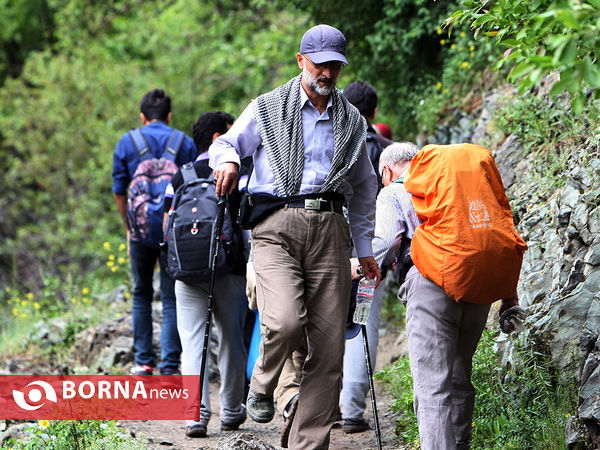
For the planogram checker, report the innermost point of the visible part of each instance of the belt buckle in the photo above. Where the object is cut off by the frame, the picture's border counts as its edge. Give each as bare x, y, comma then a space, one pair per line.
312, 204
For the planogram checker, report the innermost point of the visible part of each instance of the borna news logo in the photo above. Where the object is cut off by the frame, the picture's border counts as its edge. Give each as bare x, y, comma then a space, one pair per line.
98, 397
35, 396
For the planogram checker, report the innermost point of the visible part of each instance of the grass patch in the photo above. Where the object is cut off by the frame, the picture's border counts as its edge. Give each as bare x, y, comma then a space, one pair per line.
524, 406
75, 435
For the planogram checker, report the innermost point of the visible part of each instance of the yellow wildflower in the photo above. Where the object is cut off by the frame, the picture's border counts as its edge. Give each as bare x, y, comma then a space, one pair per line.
23, 302
36, 305
110, 263
106, 245
443, 41
438, 85
85, 291
121, 260
472, 48
122, 246
73, 300
43, 423
85, 299
29, 295
462, 34
453, 46
127, 295
114, 268
15, 311
439, 30
465, 64
111, 257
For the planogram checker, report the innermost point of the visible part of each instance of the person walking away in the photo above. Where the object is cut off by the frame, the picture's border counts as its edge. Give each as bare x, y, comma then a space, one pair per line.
456, 190
308, 145
229, 309
355, 382
137, 193
364, 97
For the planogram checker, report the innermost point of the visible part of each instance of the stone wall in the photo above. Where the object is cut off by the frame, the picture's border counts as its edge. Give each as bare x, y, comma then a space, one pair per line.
559, 218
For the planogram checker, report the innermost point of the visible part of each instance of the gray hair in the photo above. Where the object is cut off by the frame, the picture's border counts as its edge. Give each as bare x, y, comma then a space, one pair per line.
396, 153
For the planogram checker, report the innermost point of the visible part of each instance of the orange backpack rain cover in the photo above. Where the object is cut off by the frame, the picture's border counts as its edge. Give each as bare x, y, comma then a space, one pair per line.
467, 243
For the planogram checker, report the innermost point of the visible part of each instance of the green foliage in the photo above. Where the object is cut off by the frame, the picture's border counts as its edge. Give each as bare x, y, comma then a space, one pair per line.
62, 118
521, 406
398, 381
542, 36
25, 25
524, 406
464, 74
75, 435
393, 312
547, 130
395, 46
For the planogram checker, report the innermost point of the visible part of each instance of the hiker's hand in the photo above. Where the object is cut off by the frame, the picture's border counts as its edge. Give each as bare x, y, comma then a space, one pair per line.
353, 265
370, 268
226, 177
128, 250
511, 316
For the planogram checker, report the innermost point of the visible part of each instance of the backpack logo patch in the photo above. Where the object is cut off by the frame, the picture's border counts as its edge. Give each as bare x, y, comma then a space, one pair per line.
479, 217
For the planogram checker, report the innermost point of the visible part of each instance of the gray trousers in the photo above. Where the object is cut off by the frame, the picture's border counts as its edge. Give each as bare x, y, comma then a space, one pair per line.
442, 338
228, 315
355, 382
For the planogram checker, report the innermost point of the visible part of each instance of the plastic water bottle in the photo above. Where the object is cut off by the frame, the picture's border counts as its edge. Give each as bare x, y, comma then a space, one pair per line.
364, 297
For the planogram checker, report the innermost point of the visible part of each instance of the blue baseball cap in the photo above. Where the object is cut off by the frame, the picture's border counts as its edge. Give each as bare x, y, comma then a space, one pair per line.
323, 43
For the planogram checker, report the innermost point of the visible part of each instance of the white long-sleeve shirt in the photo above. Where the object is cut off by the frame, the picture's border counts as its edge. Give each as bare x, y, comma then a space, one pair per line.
360, 188
396, 219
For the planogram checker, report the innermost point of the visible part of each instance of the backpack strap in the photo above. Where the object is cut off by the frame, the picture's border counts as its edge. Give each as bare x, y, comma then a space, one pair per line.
188, 172
174, 145
141, 145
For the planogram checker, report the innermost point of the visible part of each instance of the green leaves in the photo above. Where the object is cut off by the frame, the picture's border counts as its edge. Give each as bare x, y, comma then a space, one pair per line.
62, 118
543, 36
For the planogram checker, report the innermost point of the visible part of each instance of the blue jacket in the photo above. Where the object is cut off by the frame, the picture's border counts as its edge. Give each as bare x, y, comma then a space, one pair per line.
126, 159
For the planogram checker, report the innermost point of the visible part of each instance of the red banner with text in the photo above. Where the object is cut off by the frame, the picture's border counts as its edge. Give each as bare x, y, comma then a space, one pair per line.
99, 397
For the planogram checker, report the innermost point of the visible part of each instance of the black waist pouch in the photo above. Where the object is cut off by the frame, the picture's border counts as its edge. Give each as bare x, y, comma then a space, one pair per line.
256, 207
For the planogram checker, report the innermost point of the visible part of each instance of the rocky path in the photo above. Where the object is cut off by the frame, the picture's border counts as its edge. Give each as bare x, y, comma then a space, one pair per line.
171, 434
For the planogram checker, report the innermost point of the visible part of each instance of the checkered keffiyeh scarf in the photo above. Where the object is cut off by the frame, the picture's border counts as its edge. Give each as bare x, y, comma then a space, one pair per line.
279, 121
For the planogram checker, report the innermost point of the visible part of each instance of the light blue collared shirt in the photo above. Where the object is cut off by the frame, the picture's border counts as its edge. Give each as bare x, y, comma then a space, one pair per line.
360, 188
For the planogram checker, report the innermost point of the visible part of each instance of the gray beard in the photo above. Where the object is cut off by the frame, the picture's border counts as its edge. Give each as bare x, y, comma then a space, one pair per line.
314, 86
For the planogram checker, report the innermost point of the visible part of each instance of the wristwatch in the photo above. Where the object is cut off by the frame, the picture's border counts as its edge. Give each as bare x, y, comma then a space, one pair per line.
359, 270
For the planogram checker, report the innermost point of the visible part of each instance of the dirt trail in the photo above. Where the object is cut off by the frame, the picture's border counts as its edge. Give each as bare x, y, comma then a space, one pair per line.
171, 434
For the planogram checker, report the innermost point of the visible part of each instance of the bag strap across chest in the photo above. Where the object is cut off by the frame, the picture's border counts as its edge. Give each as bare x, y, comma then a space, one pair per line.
143, 151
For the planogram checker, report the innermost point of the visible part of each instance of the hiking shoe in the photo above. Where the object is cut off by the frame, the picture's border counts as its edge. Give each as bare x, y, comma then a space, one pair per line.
337, 420
288, 416
234, 424
197, 430
355, 426
143, 369
260, 408
170, 372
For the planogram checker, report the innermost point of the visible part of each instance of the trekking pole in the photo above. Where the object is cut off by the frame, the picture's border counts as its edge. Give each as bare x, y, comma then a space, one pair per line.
214, 257
371, 386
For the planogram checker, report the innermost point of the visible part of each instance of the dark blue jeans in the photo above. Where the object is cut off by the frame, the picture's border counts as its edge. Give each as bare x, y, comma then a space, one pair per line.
143, 263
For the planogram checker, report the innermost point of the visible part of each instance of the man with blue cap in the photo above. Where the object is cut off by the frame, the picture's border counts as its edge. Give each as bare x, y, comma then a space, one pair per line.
308, 146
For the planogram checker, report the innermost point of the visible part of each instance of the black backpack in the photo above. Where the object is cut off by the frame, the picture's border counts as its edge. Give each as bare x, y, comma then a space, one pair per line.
190, 231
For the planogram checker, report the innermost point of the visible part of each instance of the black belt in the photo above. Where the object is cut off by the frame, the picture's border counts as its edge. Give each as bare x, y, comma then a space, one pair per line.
315, 204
